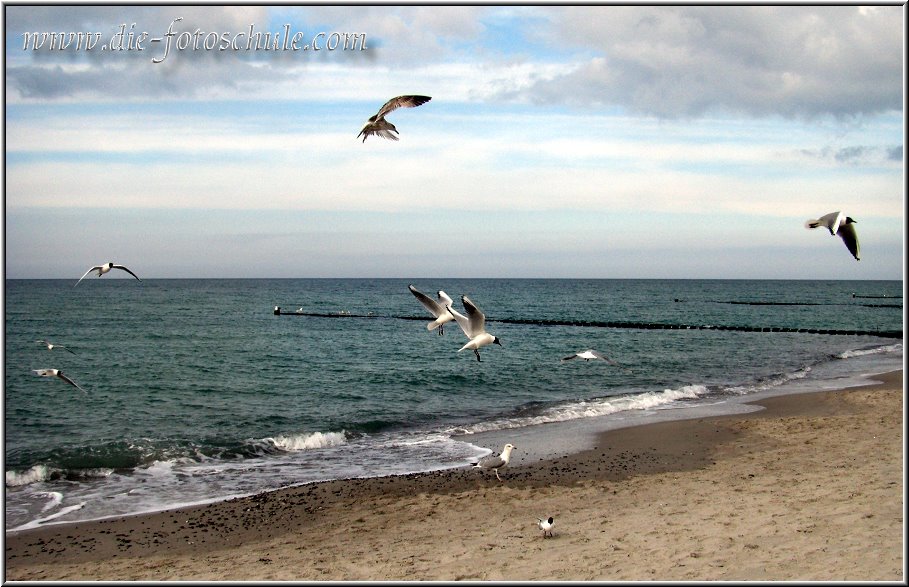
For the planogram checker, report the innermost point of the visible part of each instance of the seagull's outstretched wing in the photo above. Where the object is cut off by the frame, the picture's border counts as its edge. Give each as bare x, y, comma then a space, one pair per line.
434, 307
95, 268
476, 318
123, 267
401, 102
70, 381
849, 236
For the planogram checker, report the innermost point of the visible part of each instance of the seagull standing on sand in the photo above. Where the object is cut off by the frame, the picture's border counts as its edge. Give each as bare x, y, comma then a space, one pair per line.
438, 309
51, 346
839, 224
102, 269
57, 373
474, 326
496, 462
377, 125
545, 526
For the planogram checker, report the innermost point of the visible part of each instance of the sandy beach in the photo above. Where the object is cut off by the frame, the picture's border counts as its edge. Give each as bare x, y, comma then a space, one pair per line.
809, 488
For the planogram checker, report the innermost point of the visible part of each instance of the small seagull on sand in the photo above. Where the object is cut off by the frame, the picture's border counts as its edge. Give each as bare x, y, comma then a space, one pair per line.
438, 309
545, 526
51, 346
496, 462
377, 125
474, 326
838, 223
57, 373
102, 269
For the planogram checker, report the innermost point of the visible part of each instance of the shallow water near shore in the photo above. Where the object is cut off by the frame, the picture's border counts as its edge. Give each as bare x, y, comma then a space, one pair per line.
198, 392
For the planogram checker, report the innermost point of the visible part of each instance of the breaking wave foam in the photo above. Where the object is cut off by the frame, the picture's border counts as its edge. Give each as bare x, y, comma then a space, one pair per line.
890, 348
295, 442
592, 408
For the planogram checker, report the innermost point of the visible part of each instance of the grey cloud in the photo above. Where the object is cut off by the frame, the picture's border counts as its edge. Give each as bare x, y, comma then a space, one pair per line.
791, 61
856, 154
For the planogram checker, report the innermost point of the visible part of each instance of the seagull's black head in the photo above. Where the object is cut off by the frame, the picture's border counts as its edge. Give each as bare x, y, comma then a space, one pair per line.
849, 220
549, 520
495, 340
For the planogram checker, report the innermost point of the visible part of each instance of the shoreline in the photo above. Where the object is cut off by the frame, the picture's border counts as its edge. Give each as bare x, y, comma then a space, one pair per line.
706, 498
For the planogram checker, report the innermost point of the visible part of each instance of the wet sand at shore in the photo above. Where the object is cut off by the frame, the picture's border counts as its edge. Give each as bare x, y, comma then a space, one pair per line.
809, 488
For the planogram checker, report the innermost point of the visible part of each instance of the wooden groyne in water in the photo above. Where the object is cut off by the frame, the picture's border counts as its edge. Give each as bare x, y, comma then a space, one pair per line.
618, 324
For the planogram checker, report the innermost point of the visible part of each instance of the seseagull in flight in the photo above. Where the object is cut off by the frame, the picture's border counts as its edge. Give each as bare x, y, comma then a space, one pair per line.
838, 223
51, 346
438, 309
474, 326
592, 354
545, 526
496, 462
377, 125
102, 269
587, 355
57, 373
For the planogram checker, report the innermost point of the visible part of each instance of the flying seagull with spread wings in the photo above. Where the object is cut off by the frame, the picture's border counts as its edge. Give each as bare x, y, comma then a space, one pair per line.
839, 224
377, 125
51, 346
474, 326
592, 354
102, 269
439, 309
59, 374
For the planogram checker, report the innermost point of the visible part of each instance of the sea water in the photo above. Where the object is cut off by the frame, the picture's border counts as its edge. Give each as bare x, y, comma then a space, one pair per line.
196, 391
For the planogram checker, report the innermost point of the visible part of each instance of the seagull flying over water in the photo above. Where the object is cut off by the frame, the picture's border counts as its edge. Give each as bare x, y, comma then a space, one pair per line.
474, 326
438, 309
57, 373
587, 355
592, 354
839, 224
496, 462
51, 346
377, 125
545, 526
102, 269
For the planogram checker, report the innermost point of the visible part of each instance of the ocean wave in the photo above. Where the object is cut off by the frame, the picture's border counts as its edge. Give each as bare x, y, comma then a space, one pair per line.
768, 382
35, 474
315, 440
890, 348
39, 473
55, 497
591, 408
53, 516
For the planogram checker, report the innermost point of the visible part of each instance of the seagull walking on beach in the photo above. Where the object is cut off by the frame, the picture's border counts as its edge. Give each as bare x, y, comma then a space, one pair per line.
377, 125
51, 346
439, 309
59, 374
102, 269
839, 224
545, 526
474, 326
496, 462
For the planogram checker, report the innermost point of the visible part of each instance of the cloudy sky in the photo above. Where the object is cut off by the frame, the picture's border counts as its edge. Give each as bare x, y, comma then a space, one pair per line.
592, 141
